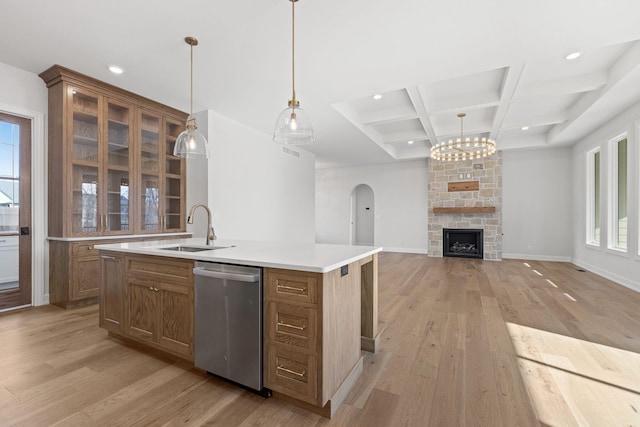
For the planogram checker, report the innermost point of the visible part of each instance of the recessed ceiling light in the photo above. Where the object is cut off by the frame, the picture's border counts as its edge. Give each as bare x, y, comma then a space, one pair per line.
525, 127
377, 96
409, 142
115, 69
573, 55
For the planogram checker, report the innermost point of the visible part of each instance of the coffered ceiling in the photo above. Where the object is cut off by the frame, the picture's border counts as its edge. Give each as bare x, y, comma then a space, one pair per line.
502, 62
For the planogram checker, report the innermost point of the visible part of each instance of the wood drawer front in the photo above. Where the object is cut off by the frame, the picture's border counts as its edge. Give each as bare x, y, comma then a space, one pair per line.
161, 268
292, 372
292, 325
85, 249
292, 286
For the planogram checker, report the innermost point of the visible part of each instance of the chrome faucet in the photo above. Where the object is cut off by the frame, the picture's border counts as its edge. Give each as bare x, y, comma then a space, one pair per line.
211, 235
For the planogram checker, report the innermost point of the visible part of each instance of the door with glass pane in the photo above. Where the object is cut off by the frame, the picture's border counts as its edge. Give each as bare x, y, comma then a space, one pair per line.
15, 211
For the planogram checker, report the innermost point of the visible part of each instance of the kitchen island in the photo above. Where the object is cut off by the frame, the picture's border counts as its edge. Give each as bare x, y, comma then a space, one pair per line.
320, 307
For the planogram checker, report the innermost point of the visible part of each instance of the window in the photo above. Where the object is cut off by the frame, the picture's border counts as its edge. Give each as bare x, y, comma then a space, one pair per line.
593, 197
618, 194
9, 176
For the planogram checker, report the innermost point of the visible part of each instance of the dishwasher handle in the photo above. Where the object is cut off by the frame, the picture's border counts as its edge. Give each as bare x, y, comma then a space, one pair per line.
201, 271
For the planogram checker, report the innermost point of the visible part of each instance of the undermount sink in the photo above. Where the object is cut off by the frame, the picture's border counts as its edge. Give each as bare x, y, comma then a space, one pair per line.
193, 248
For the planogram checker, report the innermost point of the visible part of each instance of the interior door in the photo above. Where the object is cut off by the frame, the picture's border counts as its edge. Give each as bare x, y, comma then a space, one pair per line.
15, 211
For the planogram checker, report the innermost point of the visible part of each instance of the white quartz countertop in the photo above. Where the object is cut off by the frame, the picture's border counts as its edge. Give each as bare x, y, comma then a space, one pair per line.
312, 257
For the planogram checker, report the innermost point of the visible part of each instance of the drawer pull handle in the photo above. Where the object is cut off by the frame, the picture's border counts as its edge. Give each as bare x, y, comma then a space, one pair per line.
91, 247
107, 257
291, 288
300, 328
289, 371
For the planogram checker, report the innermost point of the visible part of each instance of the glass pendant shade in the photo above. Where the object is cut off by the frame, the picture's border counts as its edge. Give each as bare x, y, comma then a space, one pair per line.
191, 144
293, 127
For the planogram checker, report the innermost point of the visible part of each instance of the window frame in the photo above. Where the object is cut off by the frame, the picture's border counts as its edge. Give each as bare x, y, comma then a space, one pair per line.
613, 238
591, 216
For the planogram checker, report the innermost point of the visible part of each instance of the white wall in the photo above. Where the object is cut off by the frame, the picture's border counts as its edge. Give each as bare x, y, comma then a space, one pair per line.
25, 94
622, 268
400, 192
197, 182
536, 204
257, 191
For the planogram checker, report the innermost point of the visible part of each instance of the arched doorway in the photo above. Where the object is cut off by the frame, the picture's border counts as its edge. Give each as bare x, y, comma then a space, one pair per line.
362, 216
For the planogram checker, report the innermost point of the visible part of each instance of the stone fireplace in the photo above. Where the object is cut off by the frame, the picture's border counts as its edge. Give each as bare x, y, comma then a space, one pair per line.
466, 195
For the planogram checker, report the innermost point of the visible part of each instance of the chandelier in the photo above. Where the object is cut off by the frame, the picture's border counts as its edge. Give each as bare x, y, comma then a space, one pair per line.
463, 148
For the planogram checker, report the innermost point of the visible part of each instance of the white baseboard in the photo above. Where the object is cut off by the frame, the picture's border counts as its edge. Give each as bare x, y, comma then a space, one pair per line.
635, 286
405, 250
534, 257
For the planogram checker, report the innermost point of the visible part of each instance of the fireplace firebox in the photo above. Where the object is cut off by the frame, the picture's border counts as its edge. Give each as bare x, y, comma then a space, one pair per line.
462, 242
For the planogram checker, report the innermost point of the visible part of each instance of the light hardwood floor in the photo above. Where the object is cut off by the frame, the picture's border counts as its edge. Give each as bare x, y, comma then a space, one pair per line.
466, 343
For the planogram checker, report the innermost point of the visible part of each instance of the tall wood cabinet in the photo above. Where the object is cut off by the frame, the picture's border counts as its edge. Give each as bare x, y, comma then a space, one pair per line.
112, 173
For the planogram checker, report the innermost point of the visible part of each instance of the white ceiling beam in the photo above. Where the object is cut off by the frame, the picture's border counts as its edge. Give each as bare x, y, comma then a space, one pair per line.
509, 85
464, 102
618, 72
392, 119
569, 85
542, 120
418, 104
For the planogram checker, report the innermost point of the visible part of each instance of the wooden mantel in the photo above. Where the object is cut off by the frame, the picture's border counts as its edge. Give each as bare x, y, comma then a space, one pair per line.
466, 210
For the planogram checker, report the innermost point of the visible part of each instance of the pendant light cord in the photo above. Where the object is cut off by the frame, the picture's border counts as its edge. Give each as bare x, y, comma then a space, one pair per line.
191, 84
293, 49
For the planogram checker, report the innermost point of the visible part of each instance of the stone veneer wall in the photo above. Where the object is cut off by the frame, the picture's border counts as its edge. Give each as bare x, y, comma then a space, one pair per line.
490, 194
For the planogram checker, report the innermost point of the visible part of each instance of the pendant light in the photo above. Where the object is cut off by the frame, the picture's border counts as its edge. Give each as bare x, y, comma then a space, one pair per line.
191, 144
293, 126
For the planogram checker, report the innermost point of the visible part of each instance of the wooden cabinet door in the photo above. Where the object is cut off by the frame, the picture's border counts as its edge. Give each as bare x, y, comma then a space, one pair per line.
175, 320
84, 147
117, 168
141, 309
112, 293
150, 203
174, 180
84, 277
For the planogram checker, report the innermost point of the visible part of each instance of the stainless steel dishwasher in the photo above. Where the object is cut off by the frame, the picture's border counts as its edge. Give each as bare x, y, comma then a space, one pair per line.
228, 322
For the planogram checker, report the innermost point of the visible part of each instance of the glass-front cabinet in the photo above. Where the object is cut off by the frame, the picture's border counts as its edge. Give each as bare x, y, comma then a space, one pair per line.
119, 163
111, 164
150, 199
101, 164
162, 183
174, 190
85, 162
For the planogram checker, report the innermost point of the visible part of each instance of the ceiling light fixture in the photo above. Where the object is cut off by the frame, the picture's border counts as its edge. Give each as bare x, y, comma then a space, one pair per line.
463, 148
410, 142
525, 128
293, 126
377, 96
115, 69
573, 55
191, 144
